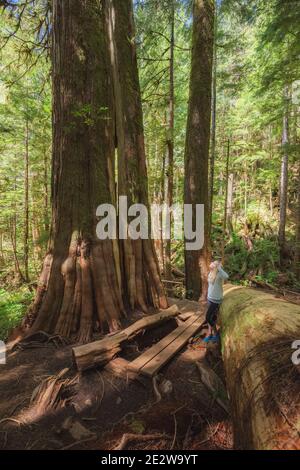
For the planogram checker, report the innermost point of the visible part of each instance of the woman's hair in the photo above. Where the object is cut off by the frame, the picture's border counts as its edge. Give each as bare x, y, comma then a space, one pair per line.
213, 272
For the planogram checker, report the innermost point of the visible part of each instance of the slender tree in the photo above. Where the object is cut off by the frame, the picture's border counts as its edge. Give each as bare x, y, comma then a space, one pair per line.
297, 246
169, 163
198, 139
26, 200
284, 178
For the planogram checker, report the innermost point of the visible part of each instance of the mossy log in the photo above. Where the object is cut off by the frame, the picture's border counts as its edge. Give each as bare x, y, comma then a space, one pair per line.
258, 330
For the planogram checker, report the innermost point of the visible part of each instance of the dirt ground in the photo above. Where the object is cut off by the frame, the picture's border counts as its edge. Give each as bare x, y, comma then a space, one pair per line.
96, 409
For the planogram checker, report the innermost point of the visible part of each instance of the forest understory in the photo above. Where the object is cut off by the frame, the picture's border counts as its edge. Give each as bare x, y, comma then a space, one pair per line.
101, 410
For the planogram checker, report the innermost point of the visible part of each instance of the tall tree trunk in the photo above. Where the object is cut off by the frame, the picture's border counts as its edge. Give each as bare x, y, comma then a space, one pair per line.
225, 218
284, 180
213, 123
80, 285
159, 199
198, 139
297, 246
26, 201
141, 274
230, 203
169, 164
13, 236
2, 257
46, 192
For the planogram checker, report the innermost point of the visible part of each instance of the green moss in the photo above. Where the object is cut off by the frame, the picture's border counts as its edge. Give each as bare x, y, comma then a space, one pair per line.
239, 323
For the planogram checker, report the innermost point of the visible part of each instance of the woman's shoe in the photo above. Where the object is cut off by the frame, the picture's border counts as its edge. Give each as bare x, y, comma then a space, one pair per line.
208, 339
215, 339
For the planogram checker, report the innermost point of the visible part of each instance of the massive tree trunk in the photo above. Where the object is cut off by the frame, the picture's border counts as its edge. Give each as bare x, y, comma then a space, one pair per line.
80, 284
197, 140
141, 275
258, 331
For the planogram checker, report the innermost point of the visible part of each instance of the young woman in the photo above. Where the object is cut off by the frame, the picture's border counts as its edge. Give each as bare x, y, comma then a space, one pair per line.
216, 278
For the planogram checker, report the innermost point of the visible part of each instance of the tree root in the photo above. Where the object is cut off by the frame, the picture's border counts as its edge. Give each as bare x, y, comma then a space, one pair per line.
41, 339
53, 392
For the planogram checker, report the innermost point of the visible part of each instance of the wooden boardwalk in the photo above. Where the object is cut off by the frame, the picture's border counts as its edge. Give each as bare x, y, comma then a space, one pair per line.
152, 360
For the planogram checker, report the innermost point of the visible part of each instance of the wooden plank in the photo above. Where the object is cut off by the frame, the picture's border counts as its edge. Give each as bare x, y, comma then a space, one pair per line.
153, 366
147, 356
186, 306
185, 316
119, 368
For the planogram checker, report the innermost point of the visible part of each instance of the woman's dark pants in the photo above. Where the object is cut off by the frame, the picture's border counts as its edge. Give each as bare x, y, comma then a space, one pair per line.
212, 313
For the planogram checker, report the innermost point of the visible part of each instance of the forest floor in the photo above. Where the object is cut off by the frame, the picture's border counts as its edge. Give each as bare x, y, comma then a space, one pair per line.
97, 409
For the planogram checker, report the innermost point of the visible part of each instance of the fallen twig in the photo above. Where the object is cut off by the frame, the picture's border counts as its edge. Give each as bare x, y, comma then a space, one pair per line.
126, 438
155, 388
175, 425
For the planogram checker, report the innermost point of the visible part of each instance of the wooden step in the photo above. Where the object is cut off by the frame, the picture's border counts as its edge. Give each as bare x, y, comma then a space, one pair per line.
153, 366
153, 359
148, 355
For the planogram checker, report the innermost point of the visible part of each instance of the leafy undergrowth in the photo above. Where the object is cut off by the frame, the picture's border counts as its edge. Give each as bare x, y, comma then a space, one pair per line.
13, 305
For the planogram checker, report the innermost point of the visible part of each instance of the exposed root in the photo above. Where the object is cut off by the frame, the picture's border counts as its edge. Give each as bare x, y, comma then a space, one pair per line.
53, 393
14, 420
41, 339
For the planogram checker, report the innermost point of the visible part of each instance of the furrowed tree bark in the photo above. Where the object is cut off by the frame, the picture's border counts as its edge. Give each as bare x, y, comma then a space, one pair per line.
140, 273
196, 189
79, 287
258, 330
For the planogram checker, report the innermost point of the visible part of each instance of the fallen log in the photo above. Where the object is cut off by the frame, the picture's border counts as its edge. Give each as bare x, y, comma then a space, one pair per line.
102, 351
258, 330
280, 290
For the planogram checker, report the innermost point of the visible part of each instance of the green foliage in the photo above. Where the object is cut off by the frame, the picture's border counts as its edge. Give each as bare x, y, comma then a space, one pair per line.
261, 261
13, 305
25, 101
